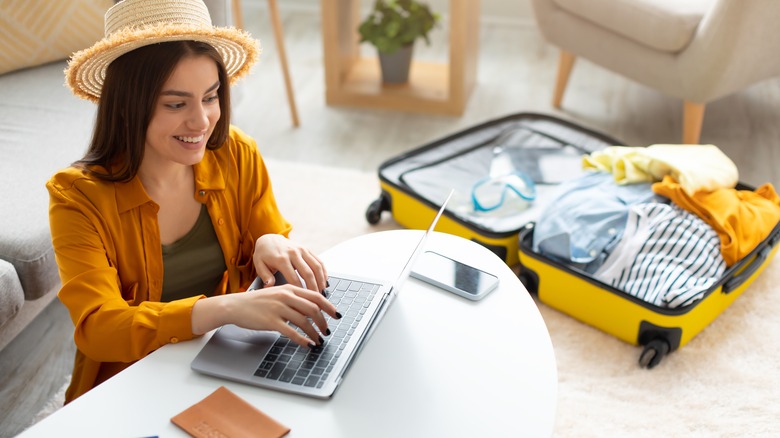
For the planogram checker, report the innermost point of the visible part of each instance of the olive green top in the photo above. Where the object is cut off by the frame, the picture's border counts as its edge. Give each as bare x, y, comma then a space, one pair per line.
194, 264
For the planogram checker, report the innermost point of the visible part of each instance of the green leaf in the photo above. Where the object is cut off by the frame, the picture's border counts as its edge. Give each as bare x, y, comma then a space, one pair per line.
393, 24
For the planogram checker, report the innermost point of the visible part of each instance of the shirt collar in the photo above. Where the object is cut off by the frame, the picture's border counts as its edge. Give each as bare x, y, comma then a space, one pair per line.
130, 195
209, 172
209, 176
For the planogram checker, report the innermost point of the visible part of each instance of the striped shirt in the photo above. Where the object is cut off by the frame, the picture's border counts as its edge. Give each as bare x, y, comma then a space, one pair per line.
667, 256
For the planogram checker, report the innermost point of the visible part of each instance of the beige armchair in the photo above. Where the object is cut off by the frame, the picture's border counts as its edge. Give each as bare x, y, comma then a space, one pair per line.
695, 50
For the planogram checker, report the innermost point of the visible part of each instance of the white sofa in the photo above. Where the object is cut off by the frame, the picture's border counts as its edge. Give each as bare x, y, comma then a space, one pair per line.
44, 128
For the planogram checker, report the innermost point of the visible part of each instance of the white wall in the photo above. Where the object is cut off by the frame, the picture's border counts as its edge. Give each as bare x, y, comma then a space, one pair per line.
497, 9
502, 10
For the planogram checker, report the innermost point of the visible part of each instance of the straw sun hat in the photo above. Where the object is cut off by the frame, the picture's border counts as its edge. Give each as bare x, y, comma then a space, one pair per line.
131, 24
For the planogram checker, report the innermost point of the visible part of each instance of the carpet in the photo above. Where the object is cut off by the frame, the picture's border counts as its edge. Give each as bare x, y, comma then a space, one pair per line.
723, 383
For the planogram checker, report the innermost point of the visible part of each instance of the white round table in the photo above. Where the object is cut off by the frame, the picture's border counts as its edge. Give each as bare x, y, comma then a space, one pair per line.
442, 365
438, 365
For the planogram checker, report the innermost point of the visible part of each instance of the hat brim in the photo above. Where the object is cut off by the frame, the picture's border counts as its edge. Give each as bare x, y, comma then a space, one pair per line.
86, 69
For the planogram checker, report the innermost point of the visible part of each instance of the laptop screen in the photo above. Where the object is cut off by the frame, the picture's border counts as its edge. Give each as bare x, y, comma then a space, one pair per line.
418, 249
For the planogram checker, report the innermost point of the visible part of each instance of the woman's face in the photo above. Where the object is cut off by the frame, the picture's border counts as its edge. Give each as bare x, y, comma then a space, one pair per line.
185, 113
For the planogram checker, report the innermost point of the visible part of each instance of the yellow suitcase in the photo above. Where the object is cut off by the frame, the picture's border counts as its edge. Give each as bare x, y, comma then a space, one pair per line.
658, 330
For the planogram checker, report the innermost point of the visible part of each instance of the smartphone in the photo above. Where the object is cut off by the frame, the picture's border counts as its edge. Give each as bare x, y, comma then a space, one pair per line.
453, 276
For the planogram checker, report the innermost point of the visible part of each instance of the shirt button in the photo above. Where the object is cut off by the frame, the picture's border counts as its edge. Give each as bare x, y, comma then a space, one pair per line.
202, 193
174, 340
221, 221
611, 231
593, 253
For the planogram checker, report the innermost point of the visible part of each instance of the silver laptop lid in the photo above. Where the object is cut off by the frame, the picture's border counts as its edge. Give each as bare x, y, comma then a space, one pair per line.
396, 286
419, 248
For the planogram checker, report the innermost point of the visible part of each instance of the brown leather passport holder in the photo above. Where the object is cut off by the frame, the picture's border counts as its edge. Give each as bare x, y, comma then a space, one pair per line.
223, 413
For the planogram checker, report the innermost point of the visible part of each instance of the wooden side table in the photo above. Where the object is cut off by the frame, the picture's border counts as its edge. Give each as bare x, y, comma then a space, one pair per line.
352, 80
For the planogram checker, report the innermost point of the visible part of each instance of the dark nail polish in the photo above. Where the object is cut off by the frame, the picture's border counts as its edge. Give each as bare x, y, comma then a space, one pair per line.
312, 346
327, 283
323, 294
338, 315
321, 340
327, 332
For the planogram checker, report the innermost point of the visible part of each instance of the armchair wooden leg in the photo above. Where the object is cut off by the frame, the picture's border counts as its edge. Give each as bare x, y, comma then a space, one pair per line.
279, 36
693, 115
565, 64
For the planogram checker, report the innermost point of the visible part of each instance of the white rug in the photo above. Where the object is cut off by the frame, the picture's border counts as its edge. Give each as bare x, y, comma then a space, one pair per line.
724, 383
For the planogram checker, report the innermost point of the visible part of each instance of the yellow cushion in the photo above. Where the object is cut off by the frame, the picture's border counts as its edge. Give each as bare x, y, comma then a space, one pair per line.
34, 32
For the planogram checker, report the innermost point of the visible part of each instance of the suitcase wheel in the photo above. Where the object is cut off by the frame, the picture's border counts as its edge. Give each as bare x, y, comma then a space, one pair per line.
530, 280
654, 351
375, 209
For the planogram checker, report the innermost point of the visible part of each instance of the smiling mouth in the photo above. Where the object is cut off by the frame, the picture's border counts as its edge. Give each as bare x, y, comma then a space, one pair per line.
197, 139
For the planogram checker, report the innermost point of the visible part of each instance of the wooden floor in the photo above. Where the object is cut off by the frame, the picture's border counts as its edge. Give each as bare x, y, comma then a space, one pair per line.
515, 74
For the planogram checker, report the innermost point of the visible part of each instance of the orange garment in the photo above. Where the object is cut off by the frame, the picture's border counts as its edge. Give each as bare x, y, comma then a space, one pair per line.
107, 243
742, 218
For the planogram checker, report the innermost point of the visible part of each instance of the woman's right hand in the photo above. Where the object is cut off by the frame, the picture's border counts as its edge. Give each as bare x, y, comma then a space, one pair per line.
268, 309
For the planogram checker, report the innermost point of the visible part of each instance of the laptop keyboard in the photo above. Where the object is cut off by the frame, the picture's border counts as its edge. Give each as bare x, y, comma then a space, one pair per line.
286, 361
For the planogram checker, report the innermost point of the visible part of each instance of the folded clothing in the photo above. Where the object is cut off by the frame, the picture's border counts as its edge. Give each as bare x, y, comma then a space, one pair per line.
585, 219
667, 256
695, 167
741, 218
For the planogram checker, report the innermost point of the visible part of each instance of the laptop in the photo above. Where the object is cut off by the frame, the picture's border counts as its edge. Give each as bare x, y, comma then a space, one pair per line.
270, 360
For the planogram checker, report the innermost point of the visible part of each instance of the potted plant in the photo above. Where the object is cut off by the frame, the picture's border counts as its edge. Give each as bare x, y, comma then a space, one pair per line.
392, 27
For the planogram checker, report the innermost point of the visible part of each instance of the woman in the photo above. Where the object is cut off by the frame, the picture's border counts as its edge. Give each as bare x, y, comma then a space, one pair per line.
171, 209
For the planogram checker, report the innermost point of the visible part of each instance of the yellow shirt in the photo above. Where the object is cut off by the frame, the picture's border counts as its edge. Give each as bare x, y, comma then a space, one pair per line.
107, 244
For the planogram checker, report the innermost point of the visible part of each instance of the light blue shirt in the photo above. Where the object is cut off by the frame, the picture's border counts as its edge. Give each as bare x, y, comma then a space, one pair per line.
586, 219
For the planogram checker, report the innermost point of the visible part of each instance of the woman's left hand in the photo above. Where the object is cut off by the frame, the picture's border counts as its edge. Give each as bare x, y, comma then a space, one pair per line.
274, 252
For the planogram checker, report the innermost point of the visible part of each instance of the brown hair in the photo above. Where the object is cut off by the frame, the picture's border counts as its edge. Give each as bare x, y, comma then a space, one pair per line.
127, 101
